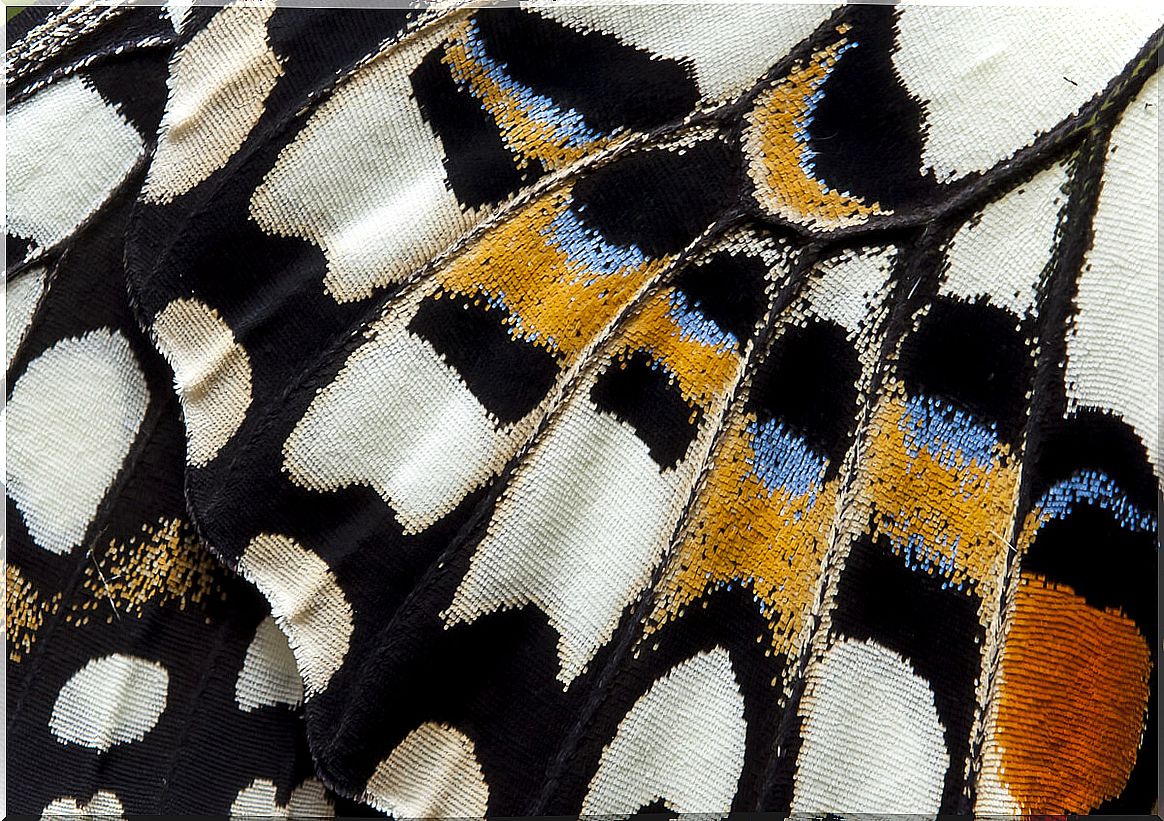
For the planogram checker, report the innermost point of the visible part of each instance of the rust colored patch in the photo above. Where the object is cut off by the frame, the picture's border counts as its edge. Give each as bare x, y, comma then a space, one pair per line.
1073, 698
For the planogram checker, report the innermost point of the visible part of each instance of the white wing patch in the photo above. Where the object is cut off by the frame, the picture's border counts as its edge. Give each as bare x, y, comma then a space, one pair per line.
1001, 252
847, 286
72, 419
401, 421
103, 804
433, 773
728, 49
1113, 348
682, 742
22, 295
111, 700
306, 601
212, 374
872, 740
269, 675
993, 77
368, 189
67, 150
219, 83
258, 800
585, 521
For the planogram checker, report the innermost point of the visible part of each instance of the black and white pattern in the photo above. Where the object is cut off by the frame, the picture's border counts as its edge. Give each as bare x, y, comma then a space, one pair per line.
583, 410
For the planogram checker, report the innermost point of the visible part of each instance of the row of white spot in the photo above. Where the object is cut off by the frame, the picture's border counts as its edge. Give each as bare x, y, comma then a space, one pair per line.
76, 411
375, 228
257, 800
872, 743
117, 699
871, 736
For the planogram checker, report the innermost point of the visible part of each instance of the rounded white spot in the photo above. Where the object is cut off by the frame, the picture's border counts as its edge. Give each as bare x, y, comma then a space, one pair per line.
306, 601
67, 150
212, 374
110, 701
269, 675
103, 804
72, 418
433, 773
683, 742
257, 800
219, 83
873, 742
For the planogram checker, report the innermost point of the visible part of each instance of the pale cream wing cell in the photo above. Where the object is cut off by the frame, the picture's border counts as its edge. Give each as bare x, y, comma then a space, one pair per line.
1002, 252
269, 676
993, 77
368, 189
212, 374
872, 741
219, 83
432, 773
307, 603
67, 150
692, 764
728, 48
1113, 347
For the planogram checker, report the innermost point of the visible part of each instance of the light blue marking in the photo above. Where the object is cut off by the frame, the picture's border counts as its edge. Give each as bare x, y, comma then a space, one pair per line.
918, 555
801, 135
569, 126
694, 325
784, 461
951, 436
587, 248
1093, 487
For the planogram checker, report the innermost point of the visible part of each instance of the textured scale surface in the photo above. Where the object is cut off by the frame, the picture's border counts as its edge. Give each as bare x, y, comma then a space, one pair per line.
562, 409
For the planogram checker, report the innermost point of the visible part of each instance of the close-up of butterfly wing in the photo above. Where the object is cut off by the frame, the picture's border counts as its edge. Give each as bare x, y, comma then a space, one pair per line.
142, 675
616, 409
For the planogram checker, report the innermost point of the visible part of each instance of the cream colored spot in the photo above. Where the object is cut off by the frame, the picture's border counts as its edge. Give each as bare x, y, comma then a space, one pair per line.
67, 150
269, 675
258, 800
212, 374
104, 805
1002, 251
873, 742
72, 419
1113, 348
22, 294
112, 700
365, 180
219, 83
306, 601
433, 773
682, 742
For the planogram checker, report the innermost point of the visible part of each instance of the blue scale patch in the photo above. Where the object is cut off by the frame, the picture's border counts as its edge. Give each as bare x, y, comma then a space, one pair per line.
568, 125
953, 437
940, 557
694, 325
784, 461
586, 248
807, 155
1093, 487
